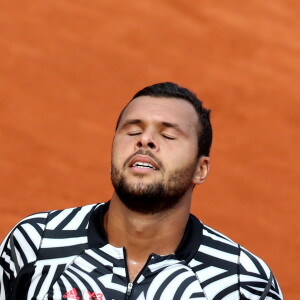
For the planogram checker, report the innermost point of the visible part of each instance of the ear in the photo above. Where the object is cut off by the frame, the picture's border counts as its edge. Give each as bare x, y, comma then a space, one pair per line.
201, 170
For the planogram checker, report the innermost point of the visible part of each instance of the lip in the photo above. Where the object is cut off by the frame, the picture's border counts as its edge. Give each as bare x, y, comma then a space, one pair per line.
144, 159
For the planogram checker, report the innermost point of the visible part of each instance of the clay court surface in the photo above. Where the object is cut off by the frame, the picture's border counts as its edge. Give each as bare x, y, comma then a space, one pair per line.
68, 67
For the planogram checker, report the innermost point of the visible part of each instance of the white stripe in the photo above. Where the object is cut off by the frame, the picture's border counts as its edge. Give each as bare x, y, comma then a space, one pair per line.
219, 233
2, 295
194, 287
194, 263
33, 234
78, 218
233, 295
117, 253
218, 286
106, 280
55, 243
34, 281
248, 263
119, 271
172, 287
46, 284
141, 296
99, 258
66, 283
160, 278
217, 238
20, 262
251, 279
59, 218
56, 292
57, 261
209, 273
85, 265
141, 278
163, 264
88, 279
26, 248
262, 263
219, 254
42, 226
80, 285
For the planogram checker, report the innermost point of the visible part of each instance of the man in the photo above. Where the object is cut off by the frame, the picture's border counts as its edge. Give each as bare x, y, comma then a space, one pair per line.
144, 243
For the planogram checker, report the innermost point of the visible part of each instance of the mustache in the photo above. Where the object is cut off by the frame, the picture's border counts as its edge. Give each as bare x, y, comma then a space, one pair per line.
146, 153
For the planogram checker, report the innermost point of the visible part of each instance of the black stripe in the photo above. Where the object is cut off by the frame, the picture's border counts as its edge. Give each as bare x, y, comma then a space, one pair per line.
59, 270
183, 286
53, 214
257, 264
164, 284
259, 293
68, 219
215, 278
209, 260
61, 286
64, 234
221, 246
28, 239
84, 282
209, 230
19, 248
85, 221
59, 252
226, 292
41, 281
73, 284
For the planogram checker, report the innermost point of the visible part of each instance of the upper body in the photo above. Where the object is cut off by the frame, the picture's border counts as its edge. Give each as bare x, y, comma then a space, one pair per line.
160, 152
66, 255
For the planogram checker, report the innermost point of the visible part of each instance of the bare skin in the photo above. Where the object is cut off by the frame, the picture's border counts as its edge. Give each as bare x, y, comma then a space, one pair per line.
167, 128
160, 233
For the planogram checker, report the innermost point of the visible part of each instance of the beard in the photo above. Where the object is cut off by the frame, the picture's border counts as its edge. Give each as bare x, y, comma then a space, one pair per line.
152, 198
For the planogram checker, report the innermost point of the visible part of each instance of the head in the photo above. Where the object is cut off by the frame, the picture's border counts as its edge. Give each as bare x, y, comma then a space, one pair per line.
172, 90
161, 148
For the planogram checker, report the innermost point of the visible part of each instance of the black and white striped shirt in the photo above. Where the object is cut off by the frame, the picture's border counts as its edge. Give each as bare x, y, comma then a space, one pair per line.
60, 255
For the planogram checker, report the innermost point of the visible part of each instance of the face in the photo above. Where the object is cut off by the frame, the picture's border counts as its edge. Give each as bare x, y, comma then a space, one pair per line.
154, 154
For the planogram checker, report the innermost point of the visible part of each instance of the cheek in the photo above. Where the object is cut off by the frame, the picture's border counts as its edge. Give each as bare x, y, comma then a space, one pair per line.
120, 152
184, 154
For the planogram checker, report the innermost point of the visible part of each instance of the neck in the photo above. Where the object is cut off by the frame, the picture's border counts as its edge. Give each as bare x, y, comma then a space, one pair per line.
143, 234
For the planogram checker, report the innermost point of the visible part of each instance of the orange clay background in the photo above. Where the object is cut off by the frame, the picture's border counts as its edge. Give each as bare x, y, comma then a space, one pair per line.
67, 67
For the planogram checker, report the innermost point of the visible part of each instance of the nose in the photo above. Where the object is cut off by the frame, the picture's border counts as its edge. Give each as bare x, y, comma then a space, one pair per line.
146, 140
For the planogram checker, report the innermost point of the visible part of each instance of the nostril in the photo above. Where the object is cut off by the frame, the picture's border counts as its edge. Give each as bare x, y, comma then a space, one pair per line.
151, 145
139, 144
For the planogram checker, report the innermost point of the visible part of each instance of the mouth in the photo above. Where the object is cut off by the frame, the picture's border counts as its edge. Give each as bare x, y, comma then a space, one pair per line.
143, 163
140, 164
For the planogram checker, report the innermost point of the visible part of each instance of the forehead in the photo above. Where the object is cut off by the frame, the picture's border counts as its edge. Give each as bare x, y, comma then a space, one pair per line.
161, 109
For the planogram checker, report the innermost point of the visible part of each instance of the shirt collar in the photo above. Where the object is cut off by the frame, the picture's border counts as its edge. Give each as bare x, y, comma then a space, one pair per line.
186, 249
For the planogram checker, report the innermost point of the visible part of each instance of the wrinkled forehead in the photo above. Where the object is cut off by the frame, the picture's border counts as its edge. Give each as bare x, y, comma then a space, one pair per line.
161, 109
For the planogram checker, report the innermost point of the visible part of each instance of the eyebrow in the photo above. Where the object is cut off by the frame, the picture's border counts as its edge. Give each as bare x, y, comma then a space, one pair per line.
171, 125
132, 122
164, 124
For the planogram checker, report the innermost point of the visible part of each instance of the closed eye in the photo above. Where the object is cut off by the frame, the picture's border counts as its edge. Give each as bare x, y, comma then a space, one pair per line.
168, 137
133, 133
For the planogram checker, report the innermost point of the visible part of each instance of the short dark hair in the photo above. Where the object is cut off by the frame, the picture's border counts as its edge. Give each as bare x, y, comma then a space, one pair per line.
173, 90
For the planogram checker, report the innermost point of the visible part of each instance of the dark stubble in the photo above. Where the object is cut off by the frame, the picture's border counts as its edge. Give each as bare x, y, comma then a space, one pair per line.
154, 197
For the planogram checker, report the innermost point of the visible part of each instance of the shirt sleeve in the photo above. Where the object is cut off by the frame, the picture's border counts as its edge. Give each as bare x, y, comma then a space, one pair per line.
254, 278
19, 248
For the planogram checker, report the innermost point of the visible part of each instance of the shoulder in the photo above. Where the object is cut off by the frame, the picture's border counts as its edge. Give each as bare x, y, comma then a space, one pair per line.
70, 218
28, 231
255, 275
221, 253
24, 240
21, 245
